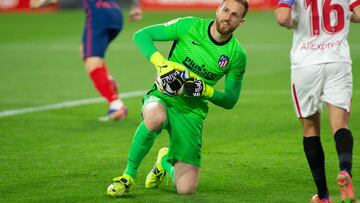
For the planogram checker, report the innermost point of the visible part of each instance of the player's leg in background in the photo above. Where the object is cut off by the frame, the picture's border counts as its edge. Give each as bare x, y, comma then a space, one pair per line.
342, 135
117, 109
343, 138
314, 153
337, 94
344, 147
106, 86
95, 40
307, 84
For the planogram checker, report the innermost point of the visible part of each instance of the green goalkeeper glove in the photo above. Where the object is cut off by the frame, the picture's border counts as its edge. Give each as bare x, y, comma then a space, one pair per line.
168, 71
164, 66
195, 87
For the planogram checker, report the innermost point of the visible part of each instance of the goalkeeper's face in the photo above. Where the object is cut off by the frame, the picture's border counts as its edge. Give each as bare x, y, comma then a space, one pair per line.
229, 16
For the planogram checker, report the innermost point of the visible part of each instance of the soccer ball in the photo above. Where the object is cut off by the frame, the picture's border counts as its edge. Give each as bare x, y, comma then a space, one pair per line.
116, 190
164, 84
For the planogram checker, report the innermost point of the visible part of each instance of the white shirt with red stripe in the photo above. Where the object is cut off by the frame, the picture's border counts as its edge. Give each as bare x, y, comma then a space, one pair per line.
321, 32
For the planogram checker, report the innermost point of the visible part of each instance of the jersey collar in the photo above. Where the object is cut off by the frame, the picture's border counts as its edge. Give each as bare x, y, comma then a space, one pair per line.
213, 40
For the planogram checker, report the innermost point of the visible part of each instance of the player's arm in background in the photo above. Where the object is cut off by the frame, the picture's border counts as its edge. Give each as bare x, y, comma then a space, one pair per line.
355, 17
233, 82
284, 14
40, 3
135, 12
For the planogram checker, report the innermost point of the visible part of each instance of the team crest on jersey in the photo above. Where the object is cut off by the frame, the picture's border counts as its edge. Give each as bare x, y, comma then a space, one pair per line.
171, 22
223, 61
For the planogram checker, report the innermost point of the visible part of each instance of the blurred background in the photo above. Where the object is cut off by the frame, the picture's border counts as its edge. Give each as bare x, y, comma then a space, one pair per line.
23, 5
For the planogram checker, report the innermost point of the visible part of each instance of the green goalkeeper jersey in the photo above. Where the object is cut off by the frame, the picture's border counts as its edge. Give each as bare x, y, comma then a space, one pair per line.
195, 49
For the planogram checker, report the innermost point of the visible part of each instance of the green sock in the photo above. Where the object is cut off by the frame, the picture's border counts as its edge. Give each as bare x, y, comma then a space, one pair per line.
142, 143
168, 167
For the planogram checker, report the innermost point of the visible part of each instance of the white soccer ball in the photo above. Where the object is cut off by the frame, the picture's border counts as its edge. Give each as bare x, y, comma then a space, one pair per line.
165, 88
115, 192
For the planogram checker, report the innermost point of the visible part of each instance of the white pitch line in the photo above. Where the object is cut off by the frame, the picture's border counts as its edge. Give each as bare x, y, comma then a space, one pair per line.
67, 104
125, 96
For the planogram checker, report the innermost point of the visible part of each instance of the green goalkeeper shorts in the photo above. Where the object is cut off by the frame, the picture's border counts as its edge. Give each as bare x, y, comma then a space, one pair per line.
185, 131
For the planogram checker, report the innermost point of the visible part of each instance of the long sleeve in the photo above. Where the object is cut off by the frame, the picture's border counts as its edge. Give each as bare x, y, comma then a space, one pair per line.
233, 82
169, 31
228, 98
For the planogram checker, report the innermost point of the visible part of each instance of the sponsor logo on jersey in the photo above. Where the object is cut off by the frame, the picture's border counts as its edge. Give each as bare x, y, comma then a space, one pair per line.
223, 61
310, 46
199, 69
171, 22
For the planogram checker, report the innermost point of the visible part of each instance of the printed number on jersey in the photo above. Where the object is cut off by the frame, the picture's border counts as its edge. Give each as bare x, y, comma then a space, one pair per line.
328, 10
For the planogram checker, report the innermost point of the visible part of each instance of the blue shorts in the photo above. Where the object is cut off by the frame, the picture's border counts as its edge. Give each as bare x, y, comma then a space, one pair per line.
103, 23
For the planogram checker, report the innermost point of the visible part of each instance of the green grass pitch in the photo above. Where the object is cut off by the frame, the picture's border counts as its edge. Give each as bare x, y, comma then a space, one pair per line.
252, 153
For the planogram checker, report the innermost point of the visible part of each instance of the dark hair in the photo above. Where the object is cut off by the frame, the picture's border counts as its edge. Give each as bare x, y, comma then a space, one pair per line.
245, 4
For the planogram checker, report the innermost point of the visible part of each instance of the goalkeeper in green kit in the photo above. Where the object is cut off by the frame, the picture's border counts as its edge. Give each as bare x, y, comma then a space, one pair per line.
203, 52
